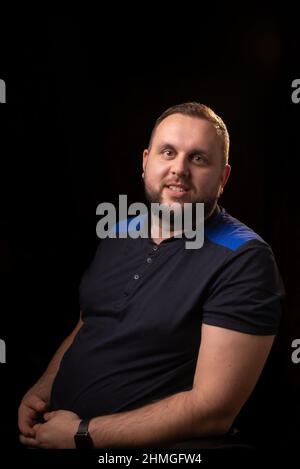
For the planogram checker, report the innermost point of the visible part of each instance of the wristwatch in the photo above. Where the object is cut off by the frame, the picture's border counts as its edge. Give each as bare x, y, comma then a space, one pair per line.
82, 438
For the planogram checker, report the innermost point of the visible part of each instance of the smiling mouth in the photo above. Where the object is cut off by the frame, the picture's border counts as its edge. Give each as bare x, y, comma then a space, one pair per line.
176, 192
177, 189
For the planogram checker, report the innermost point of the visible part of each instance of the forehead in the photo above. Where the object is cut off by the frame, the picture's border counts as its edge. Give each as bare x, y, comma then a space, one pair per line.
186, 132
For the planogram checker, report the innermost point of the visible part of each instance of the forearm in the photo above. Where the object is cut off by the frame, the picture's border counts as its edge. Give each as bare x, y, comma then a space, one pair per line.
178, 417
44, 384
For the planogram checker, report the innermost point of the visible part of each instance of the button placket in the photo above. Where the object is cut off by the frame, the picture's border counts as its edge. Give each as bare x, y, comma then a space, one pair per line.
149, 260
152, 254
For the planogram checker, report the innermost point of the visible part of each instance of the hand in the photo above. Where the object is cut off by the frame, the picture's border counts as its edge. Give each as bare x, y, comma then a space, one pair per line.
56, 433
30, 412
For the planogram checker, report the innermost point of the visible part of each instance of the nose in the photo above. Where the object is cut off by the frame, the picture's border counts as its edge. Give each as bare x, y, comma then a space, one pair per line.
180, 167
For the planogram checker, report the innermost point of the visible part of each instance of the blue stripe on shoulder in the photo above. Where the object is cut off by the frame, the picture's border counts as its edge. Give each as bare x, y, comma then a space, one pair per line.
224, 230
229, 232
123, 225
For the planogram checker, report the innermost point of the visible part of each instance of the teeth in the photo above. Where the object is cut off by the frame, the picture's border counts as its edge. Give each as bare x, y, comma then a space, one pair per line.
176, 188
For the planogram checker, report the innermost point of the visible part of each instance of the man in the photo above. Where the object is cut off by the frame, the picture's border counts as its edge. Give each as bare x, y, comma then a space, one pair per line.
171, 341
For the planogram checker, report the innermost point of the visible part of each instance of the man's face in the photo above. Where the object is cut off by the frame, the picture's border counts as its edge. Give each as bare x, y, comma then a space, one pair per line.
185, 162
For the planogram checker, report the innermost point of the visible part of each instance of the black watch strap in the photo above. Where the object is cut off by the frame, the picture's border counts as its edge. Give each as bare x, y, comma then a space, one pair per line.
82, 438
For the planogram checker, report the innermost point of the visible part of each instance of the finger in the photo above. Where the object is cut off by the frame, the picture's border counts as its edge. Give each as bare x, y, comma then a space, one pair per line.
31, 442
41, 406
25, 425
27, 418
36, 403
49, 415
26, 430
36, 427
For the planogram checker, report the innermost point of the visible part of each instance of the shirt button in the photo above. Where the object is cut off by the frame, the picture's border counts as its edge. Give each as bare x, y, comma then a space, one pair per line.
136, 277
149, 260
155, 248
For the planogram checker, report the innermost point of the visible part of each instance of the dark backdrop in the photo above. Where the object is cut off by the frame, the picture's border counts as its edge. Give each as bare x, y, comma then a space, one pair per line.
83, 91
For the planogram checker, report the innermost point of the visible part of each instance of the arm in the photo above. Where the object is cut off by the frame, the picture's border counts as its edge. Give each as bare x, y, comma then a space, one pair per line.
36, 400
228, 367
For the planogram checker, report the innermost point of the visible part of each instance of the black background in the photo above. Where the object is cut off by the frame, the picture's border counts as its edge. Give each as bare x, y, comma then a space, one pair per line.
83, 91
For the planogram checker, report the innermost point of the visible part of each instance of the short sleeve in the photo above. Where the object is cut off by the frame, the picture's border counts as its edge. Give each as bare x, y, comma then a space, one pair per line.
248, 292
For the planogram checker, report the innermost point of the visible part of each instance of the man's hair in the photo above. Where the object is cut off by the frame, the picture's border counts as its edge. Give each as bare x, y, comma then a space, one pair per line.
200, 111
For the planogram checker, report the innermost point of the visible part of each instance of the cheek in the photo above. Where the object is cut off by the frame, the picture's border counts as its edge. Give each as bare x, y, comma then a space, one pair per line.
207, 182
156, 174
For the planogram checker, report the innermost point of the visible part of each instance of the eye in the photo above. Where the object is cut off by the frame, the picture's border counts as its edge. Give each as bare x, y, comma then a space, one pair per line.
168, 153
199, 159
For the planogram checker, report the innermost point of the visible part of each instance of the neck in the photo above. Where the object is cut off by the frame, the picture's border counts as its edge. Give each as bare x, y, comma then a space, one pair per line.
161, 230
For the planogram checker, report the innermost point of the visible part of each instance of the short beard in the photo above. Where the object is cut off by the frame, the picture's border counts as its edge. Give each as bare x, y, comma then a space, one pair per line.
210, 204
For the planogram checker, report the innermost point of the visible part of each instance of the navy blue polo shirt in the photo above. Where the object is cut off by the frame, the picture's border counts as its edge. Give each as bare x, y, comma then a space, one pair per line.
143, 305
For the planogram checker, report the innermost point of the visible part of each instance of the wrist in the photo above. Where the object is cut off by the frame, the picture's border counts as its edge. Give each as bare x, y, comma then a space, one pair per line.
94, 425
82, 437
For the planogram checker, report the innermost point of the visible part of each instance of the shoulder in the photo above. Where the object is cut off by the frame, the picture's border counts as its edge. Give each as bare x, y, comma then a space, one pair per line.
227, 231
240, 251
245, 259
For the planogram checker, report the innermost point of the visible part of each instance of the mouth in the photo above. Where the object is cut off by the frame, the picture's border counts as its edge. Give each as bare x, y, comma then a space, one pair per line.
177, 190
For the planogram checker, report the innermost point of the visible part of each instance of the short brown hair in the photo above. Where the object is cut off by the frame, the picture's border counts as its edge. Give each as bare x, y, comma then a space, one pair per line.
201, 111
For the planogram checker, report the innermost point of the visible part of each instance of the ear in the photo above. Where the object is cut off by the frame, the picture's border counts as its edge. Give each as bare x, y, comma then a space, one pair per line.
225, 175
145, 158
